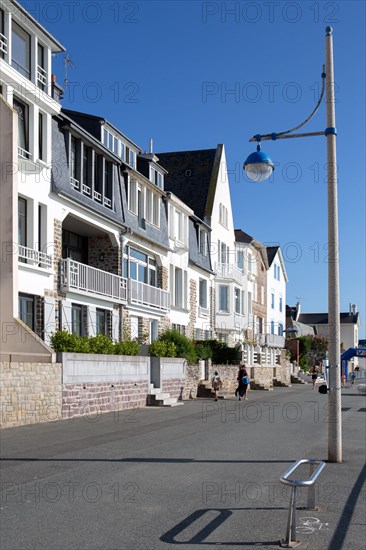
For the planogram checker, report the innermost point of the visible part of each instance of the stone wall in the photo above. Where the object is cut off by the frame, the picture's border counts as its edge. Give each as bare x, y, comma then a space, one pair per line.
94, 399
263, 375
30, 393
192, 379
103, 255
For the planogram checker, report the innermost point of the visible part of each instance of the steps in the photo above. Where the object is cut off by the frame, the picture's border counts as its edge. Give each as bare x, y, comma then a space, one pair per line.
297, 380
158, 398
279, 384
205, 390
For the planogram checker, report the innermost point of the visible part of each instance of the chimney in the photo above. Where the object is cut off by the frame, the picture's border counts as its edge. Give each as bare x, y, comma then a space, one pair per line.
354, 309
350, 309
151, 146
298, 311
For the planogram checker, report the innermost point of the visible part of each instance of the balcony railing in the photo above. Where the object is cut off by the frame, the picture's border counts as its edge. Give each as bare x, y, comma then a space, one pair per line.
34, 257
41, 76
86, 189
146, 295
229, 271
77, 277
74, 183
23, 153
3, 43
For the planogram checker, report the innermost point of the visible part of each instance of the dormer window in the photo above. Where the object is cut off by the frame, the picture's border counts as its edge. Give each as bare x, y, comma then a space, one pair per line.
21, 50
156, 177
202, 242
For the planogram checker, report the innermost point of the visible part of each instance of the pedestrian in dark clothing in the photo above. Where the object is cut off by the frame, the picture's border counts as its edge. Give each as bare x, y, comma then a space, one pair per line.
244, 380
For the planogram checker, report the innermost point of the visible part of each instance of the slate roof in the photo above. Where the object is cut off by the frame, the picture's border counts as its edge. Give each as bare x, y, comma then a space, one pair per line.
189, 176
242, 237
271, 253
322, 318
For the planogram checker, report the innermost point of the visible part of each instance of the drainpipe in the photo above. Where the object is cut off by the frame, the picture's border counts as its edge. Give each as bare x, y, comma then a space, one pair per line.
121, 241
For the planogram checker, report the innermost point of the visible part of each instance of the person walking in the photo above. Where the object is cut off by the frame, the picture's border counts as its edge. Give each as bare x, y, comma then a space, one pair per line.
244, 380
344, 378
216, 384
353, 376
314, 376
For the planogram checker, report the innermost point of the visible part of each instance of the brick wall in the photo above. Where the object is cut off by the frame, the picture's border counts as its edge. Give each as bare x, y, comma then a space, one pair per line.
95, 399
30, 393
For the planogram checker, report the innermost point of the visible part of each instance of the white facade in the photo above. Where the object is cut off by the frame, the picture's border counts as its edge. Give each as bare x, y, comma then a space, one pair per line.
276, 296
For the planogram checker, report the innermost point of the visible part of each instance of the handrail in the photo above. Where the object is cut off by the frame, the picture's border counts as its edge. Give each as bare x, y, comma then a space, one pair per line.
290, 540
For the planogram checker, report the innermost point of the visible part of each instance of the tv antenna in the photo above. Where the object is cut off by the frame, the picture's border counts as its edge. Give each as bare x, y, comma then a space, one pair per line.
68, 63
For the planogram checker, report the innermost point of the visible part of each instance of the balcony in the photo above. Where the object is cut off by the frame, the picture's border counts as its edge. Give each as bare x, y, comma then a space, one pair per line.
74, 183
23, 153
81, 278
34, 257
229, 271
90, 281
272, 341
146, 295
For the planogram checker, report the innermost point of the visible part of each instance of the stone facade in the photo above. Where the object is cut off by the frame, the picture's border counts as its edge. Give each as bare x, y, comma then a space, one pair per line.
103, 255
30, 393
94, 399
162, 275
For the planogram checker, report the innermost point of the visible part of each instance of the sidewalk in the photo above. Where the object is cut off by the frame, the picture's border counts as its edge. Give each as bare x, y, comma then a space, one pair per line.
204, 475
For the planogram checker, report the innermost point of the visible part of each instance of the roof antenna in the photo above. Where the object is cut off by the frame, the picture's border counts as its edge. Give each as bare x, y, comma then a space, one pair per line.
67, 63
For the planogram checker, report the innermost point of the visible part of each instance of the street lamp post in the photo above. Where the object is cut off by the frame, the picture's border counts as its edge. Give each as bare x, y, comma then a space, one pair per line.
258, 167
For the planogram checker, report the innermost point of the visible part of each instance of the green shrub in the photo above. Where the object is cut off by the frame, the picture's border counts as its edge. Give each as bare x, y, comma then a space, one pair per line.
162, 348
184, 346
203, 350
220, 352
64, 341
127, 347
101, 344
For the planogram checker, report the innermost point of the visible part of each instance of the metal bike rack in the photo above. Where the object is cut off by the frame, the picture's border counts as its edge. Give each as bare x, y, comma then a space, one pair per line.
290, 540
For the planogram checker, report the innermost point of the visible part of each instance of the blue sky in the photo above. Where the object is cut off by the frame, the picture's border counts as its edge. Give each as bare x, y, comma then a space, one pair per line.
194, 74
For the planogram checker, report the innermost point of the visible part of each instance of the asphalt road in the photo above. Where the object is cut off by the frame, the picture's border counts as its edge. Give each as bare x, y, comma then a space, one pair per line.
199, 476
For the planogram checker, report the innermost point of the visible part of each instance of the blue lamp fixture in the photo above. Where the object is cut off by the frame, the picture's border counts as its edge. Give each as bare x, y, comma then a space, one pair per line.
258, 167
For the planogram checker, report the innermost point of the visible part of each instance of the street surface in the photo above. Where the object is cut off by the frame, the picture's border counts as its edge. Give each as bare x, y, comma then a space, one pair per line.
198, 476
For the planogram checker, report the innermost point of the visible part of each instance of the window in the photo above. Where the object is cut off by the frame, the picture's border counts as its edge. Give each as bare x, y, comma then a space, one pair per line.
41, 136
76, 319
250, 263
223, 215
272, 327
224, 253
122, 152
115, 146
86, 169
23, 129
74, 246
240, 259
26, 310
178, 286
152, 207
224, 298
3, 39
202, 293
280, 329
202, 242
132, 196
22, 222
101, 321
237, 300
178, 225
132, 158
41, 73
73, 160
20, 50
281, 304
139, 266
107, 184
156, 177
272, 301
